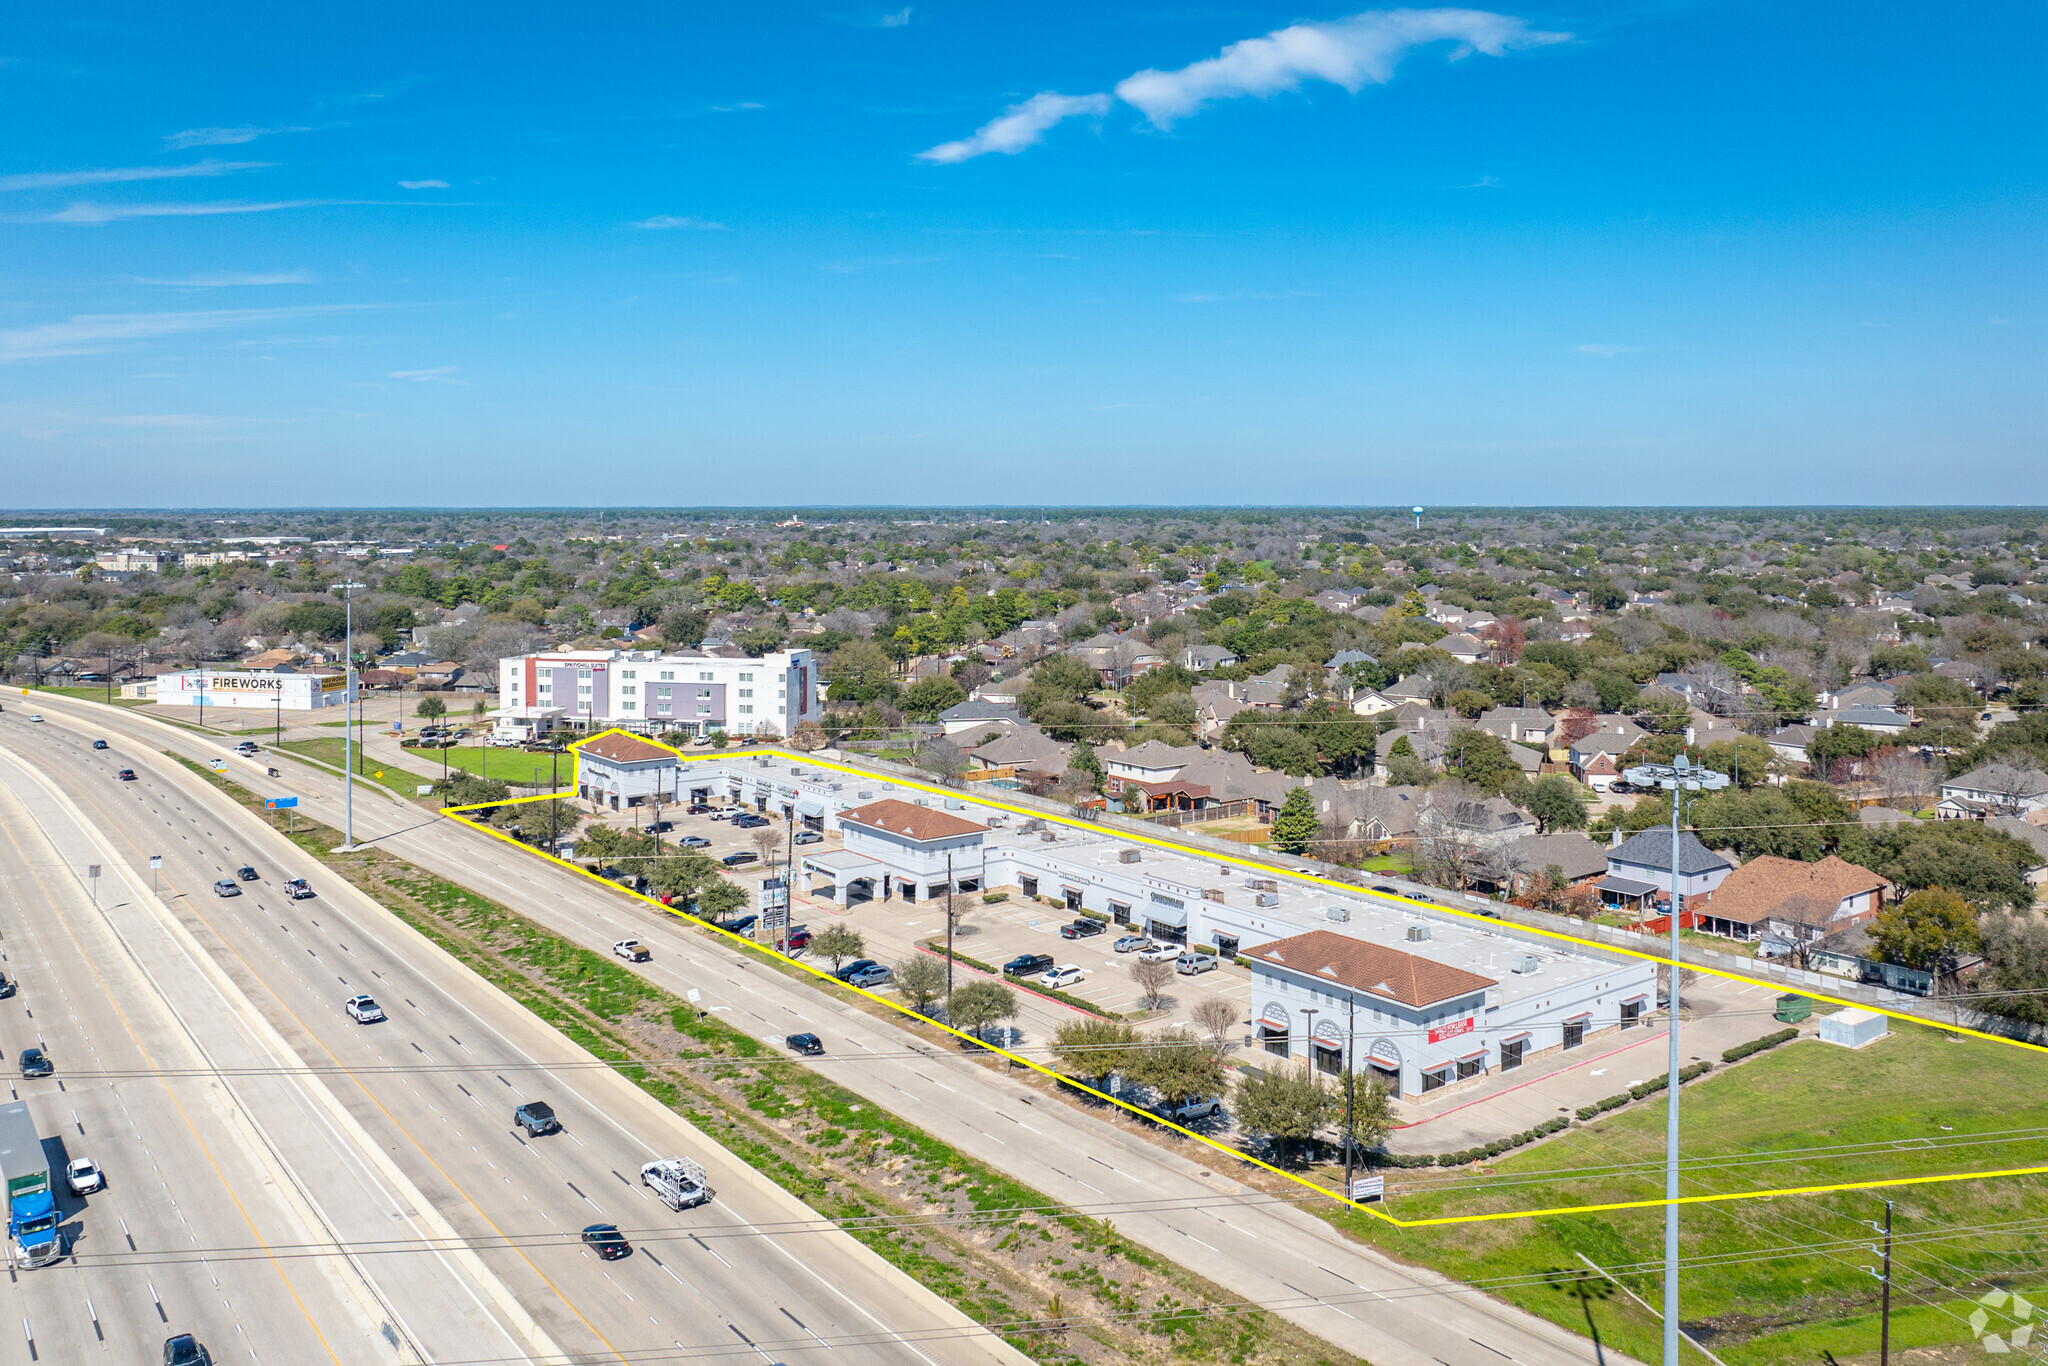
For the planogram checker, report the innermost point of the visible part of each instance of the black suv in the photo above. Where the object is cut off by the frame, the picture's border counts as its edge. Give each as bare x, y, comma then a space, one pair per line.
36, 1063
186, 1350
1024, 964
537, 1117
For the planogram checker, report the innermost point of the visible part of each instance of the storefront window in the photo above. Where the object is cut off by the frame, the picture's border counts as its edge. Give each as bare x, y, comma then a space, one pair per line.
1329, 1059
1437, 1080
1511, 1055
1631, 1014
1274, 1040
1471, 1067
1029, 885
1574, 1033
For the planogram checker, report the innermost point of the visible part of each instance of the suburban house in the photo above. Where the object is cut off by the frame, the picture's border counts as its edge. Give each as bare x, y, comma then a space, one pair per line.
1465, 649
1151, 762
1883, 720
1790, 742
1581, 859
1520, 725
1202, 658
2031, 835
1867, 693
1993, 789
1782, 901
1613, 735
1370, 702
978, 718
1639, 869
1212, 777
1215, 704
619, 771
1020, 753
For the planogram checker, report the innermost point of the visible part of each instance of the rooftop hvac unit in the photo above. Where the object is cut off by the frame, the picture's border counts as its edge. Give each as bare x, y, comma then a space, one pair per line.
1262, 884
1267, 899
924, 801
1047, 837
834, 787
1127, 856
1340, 914
1031, 824
1525, 962
955, 804
1212, 894
865, 796
1418, 933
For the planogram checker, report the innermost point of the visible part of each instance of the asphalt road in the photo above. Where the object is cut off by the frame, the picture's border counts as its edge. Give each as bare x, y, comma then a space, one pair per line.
1266, 1251
753, 1274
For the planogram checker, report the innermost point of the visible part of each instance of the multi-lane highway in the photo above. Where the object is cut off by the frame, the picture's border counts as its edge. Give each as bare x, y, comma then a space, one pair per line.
1184, 1208
752, 1275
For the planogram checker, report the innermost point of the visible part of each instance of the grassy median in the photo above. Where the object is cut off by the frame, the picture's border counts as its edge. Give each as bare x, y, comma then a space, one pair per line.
1058, 1285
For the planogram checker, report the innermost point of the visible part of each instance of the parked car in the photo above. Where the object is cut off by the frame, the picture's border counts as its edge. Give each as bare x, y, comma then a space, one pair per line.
696, 809
694, 842
810, 1045
740, 859
36, 1063
126, 775
1065, 975
1131, 943
246, 873
1383, 887
186, 1350
848, 969
363, 1009
1024, 964
537, 1117
99, 744
297, 888
632, 950
873, 975
799, 937
808, 837
744, 925
721, 815
1159, 953
227, 886
84, 1176
1200, 1107
1189, 964
607, 1242
1083, 928
661, 827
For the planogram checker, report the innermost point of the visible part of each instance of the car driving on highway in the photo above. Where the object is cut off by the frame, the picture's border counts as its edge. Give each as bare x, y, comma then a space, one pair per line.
126, 775
537, 1117
227, 886
363, 1009
607, 1242
297, 889
99, 744
36, 1063
810, 1045
186, 1350
84, 1176
632, 950
246, 873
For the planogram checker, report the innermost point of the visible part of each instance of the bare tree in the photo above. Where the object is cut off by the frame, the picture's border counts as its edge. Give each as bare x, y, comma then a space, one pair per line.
1152, 980
1902, 777
2010, 783
1219, 1018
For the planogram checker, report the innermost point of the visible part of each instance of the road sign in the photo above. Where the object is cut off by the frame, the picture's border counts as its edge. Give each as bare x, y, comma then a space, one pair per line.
156, 861
280, 803
693, 996
92, 870
1368, 1187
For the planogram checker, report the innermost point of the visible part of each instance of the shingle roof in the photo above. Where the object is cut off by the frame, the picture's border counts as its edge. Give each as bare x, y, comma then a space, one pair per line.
1155, 754
909, 819
973, 709
1652, 848
624, 749
1768, 884
1373, 968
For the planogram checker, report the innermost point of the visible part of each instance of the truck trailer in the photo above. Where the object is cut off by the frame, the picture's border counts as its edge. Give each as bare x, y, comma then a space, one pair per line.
32, 1237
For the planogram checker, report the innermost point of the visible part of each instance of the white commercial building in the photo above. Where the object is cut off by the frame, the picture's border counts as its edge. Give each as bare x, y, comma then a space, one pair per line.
655, 692
251, 688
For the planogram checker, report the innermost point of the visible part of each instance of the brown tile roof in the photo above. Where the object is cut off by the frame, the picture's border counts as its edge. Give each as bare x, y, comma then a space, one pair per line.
1766, 884
624, 749
1354, 963
908, 818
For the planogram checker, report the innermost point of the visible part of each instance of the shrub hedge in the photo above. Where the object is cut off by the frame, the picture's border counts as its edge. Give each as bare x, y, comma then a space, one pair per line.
1743, 1050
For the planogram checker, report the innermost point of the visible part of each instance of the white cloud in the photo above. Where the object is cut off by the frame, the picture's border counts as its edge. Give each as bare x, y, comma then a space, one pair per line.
90, 334
1349, 52
662, 222
897, 20
221, 137
115, 175
422, 184
1020, 126
232, 278
440, 374
113, 213
1605, 350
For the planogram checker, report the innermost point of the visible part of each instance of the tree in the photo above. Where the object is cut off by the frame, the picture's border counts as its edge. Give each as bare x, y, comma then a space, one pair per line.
2009, 784
860, 671
720, 899
920, 979
1285, 1106
1903, 777
1481, 760
681, 876
1178, 1066
466, 789
1557, 802
1926, 930
1219, 1018
433, 708
1746, 759
1152, 980
810, 737
1984, 866
2015, 962
974, 1006
926, 698
1469, 702
1093, 1048
838, 941
1059, 679
768, 841
1372, 1110
536, 823
1295, 826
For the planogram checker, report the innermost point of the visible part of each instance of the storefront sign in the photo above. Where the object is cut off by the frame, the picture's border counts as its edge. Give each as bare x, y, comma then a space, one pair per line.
1451, 1029
1368, 1187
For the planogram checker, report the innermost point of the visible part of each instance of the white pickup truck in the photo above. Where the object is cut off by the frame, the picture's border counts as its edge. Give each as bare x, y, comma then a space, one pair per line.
677, 1182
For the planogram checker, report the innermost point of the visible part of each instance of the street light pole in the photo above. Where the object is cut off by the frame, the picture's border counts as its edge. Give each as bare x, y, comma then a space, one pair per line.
348, 730
1350, 1085
1678, 778
949, 928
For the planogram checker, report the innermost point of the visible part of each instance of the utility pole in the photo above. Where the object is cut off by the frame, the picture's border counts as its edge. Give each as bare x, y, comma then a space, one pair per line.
1678, 778
348, 731
1350, 1084
949, 927
1884, 1332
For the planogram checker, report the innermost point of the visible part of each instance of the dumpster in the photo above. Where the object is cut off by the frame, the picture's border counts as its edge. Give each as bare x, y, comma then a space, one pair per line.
1792, 1008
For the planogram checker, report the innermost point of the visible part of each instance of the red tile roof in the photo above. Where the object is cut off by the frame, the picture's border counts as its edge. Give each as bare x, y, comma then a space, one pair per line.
907, 818
1372, 968
624, 749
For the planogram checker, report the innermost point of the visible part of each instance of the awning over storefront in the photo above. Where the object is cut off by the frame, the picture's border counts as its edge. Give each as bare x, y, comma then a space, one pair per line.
1167, 915
807, 807
842, 866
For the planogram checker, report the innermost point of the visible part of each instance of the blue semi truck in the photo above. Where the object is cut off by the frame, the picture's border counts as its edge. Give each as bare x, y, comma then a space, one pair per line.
32, 1237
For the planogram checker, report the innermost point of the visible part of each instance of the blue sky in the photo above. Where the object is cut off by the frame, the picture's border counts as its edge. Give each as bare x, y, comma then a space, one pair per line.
1235, 253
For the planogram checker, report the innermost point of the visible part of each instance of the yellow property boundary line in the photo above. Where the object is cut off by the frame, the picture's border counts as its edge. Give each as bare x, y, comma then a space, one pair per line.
1347, 889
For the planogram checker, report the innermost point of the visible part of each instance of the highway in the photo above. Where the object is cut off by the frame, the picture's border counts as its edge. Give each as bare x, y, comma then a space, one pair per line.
435, 1086
1185, 1208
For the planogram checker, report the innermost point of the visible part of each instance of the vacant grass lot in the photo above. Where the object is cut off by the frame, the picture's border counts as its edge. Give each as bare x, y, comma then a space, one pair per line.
506, 765
1780, 1280
391, 775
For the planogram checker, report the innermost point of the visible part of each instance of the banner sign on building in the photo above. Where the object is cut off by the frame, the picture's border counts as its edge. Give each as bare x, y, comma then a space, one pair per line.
1450, 1029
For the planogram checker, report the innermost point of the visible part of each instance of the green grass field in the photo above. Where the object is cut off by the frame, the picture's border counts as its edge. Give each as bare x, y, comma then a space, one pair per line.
391, 775
87, 694
1780, 1280
506, 765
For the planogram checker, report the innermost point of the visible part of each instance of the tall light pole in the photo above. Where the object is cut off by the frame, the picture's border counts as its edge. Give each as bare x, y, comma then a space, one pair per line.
1678, 778
348, 703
